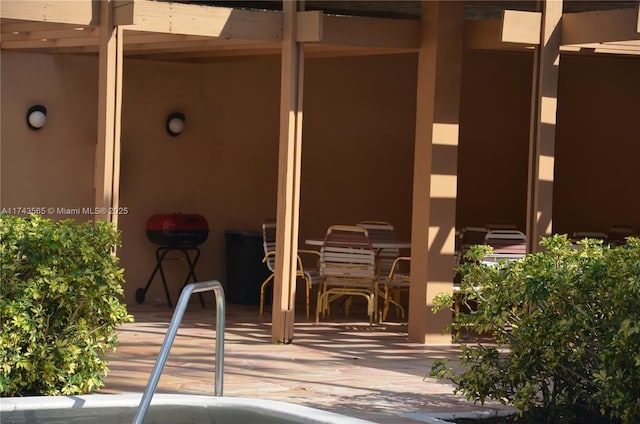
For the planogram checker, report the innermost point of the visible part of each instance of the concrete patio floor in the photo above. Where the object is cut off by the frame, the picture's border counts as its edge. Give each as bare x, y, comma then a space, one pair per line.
342, 365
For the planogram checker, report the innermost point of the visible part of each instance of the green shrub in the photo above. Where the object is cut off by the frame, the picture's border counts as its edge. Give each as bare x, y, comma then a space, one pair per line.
59, 305
566, 325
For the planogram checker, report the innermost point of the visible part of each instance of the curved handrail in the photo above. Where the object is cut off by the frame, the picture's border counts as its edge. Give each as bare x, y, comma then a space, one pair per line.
171, 334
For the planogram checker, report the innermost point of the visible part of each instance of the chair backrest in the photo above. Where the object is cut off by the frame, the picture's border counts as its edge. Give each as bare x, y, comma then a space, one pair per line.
467, 237
269, 242
346, 254
382, 231
507, 242
473, 235
579, 235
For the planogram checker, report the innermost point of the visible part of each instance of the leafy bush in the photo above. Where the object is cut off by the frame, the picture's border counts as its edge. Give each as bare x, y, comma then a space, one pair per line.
566, 325
59, 305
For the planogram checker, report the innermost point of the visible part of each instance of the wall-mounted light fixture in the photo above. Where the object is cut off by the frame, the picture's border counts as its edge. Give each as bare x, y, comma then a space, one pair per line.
175, 123
36, 117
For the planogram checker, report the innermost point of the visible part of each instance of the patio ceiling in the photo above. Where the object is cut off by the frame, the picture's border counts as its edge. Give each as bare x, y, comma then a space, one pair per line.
211, 31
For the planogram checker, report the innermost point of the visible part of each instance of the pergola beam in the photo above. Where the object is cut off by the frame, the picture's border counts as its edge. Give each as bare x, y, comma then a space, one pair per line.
600, 26
195, 19
69, 37
516, 29
59, 11
358, 31
521, 27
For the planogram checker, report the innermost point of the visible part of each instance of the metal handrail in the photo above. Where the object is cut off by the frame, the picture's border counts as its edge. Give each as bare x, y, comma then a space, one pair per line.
171, 334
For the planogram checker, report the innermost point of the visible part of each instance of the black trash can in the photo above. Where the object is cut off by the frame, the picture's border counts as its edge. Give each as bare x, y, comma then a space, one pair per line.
245, 269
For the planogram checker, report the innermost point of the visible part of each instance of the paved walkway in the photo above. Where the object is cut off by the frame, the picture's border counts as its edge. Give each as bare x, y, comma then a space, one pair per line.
349, 367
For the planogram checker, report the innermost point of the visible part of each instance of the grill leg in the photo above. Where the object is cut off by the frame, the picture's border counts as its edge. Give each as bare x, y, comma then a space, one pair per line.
161, 252
159, 258
191, 275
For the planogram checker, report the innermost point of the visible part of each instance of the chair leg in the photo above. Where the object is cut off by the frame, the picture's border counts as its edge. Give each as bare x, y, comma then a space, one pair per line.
308, 288
385, 308
320, 305
392, 296
399, 309
262, 287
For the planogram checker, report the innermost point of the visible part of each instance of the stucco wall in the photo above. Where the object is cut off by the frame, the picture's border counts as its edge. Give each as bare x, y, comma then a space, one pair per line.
358, 133
223, 166
494, 138
598, 144
52, 167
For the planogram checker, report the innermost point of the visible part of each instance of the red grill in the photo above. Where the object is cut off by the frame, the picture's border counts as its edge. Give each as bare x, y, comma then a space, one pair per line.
177, 229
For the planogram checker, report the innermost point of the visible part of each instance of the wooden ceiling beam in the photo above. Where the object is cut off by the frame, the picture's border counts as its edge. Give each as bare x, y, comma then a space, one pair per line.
50, 43
76, 12
493, 34
136, 37
600, 26
516, 30
360, 31
178, 47
16, 27
78, 32
620, 47
195, 19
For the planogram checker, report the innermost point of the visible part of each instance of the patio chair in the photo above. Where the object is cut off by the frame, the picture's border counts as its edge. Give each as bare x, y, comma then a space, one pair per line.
390, 290
580, 235
396, 282
310, 273
507, 245
382, 231
467, 237
347, 268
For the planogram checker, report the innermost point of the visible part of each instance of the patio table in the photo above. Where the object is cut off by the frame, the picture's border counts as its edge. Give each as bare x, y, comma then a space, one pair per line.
375, 244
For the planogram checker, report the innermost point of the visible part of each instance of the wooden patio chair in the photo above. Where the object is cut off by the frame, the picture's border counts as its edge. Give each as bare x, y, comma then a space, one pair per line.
347, 268
507, 245
309, 273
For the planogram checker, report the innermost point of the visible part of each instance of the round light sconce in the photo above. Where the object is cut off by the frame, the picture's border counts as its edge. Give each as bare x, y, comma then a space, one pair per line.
175, 124
36, 117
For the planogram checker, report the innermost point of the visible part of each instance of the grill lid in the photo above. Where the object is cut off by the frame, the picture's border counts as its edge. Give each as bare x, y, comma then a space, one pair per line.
177, 229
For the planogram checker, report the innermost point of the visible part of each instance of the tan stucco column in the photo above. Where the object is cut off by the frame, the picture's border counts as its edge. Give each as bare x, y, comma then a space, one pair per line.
544, 101
435, 167
289, 159
107, 158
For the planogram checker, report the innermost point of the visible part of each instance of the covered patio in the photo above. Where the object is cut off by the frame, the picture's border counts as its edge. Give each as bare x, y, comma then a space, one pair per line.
432, 115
